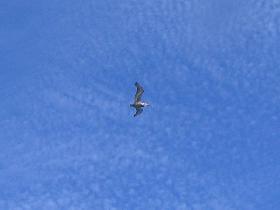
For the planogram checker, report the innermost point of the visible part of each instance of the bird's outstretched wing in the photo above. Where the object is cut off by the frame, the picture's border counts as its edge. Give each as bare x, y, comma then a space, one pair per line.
139, 92
138, 111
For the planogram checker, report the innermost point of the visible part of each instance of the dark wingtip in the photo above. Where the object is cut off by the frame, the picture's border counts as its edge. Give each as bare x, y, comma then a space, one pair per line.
136, 83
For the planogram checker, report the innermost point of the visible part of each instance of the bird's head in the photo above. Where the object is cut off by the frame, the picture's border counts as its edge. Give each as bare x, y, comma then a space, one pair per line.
146, 104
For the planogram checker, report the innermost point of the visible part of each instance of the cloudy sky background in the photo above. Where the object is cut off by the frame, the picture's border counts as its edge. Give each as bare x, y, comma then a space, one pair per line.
210, 140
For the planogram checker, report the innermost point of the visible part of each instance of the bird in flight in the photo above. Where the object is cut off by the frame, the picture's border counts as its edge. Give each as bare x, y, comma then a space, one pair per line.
138, 104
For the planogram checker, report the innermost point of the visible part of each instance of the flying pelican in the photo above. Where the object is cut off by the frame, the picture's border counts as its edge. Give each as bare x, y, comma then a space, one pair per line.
138, 104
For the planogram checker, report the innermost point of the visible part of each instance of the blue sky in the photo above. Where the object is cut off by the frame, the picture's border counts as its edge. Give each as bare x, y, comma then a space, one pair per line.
209, 141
